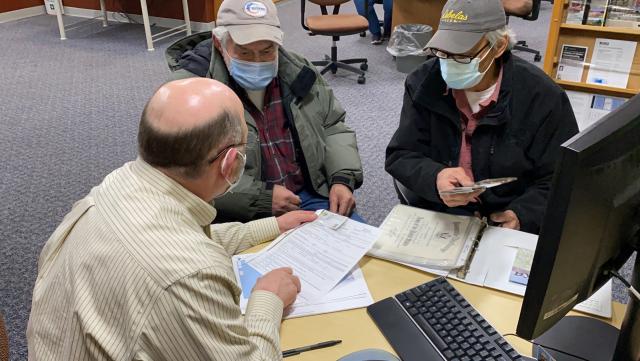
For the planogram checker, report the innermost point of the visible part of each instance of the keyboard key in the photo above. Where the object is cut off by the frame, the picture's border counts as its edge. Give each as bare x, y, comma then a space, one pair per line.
447, 339
413, 311
471, 352
459, 352
513, 354
401, 297
476, 346
476, 358
423, 310
465, 345
418, 304
423, 299
448, 354
438, 327
491, 331
477, 333
465, 358
484, 354
417, 291
411, 296
407, 304
466, 334
454, 346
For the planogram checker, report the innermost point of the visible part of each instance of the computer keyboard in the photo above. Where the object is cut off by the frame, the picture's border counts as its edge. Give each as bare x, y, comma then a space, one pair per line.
435, 322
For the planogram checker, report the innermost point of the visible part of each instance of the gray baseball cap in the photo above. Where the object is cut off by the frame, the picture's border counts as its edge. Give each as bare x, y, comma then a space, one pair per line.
464, 22
249, 21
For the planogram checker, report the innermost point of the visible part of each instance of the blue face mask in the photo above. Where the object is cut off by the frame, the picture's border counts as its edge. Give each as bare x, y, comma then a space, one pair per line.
251, 75
462, 76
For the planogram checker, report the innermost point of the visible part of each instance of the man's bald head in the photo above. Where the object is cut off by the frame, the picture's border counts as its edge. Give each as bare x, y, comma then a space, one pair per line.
186, 121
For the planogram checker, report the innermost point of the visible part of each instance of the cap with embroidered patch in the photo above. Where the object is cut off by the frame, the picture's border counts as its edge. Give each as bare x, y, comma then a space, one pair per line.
464, 22
249, 21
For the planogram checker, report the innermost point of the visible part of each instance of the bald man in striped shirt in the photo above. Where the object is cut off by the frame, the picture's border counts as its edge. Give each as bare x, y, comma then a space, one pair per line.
136, 271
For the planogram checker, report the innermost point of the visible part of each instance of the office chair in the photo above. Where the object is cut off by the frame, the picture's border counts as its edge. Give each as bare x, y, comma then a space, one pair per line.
4, 342
335, 25
527, 10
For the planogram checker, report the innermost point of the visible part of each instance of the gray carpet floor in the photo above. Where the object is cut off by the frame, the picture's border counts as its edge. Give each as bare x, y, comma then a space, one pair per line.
69, 113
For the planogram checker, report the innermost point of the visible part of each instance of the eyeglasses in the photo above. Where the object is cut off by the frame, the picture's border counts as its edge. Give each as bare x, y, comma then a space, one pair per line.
225, 149
458, 58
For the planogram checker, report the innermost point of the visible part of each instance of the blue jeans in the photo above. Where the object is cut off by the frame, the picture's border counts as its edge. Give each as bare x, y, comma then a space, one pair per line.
374, 23
313, 202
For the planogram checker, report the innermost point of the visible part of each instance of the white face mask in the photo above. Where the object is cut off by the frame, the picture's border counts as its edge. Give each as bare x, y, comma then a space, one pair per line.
462, 76
239, 170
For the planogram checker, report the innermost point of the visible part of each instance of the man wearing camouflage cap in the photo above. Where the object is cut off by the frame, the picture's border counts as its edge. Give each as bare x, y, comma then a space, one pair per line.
300, 153
473, 112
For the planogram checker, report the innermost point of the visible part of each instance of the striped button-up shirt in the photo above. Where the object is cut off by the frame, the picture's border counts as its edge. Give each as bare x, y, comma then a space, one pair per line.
136, 272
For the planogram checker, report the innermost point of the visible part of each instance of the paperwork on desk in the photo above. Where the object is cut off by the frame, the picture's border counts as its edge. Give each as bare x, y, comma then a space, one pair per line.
491, 264
426, 238
324, 255
351, 292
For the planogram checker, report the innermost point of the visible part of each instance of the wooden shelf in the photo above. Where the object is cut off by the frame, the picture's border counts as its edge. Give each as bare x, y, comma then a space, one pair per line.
601, 29
621, 92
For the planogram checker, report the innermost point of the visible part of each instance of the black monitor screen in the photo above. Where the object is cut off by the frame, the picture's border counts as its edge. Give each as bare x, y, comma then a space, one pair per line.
591, 219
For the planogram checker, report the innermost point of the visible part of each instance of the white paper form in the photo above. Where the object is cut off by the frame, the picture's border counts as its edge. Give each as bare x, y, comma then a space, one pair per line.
319, 255
581, 105
351, 292
571, 64
611, 62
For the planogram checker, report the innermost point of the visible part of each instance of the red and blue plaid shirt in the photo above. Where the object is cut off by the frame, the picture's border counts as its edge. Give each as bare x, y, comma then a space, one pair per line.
280, 165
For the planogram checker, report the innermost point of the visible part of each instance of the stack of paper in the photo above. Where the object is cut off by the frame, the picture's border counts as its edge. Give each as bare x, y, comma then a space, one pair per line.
324, 255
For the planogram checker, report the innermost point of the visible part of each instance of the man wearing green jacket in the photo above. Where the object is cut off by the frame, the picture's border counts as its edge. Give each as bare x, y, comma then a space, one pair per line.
300, 153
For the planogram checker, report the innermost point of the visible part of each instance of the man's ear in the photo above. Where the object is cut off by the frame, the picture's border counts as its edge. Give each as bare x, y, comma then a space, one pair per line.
501, 46
228, 162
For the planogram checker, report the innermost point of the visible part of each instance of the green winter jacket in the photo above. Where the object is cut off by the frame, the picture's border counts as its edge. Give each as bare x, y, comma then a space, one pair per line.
328, 145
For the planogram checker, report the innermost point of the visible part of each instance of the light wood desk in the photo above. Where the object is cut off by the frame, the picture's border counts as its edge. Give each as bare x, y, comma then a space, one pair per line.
417, 12
357, 331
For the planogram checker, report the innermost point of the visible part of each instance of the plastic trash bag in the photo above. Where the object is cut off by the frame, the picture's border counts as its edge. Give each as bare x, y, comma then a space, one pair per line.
409, 39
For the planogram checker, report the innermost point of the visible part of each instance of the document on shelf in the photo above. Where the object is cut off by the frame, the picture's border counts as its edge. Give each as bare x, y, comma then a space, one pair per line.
350, 293
321, 252
426, 239
572, 58
611, 62
589, 108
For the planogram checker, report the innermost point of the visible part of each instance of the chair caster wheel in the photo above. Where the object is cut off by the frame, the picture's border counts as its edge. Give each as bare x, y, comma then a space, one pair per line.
334, 69
361, 79
364, 66
363, 34
537, 58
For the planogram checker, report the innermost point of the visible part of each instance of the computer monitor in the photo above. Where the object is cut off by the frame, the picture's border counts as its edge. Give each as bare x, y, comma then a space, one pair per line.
591, 226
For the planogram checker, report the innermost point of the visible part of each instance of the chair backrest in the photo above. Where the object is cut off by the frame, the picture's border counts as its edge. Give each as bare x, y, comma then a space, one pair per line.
525, 9
329, 2
323, 8
4, 342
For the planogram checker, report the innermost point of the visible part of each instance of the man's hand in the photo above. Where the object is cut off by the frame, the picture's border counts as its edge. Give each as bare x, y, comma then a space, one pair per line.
341, 200
450, 178
507, 219
293, 219
284, 201
282, 283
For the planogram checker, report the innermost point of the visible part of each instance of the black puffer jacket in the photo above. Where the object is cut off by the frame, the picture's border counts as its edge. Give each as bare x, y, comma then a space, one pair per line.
519, 137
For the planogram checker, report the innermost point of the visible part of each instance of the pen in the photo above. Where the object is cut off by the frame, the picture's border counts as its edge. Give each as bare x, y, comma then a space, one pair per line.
299, 350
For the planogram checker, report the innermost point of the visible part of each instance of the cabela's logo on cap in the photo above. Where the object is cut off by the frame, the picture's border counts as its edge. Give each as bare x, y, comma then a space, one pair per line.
454, 17
255, 9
